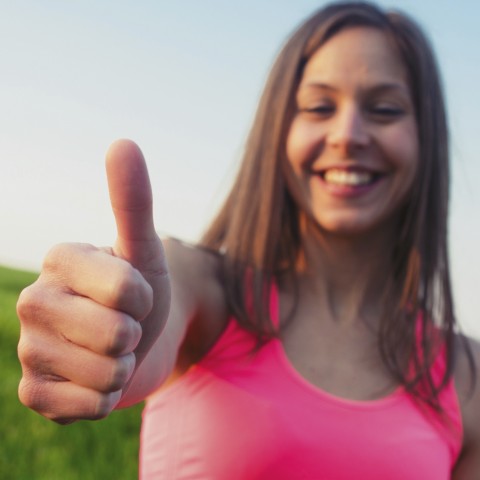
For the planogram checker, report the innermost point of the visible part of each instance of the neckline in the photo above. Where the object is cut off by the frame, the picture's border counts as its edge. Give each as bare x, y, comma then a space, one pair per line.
314, 389
318, 391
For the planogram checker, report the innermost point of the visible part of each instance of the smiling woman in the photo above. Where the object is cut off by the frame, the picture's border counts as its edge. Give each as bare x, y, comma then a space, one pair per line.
316, 313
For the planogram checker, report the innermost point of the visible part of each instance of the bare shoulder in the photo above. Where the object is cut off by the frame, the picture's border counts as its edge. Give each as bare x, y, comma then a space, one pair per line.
468, 388
198, 292
188, 263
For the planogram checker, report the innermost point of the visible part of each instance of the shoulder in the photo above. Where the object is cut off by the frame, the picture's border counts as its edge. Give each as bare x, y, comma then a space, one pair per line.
198, 293
468, 388
188, 263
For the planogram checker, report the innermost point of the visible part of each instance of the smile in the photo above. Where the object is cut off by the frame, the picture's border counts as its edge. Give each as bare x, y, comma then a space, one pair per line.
349, 178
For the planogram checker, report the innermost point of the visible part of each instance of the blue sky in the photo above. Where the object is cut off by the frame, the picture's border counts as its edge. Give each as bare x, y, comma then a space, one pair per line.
181, 78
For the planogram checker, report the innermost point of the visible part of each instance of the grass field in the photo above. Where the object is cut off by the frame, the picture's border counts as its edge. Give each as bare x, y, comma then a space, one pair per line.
33, 448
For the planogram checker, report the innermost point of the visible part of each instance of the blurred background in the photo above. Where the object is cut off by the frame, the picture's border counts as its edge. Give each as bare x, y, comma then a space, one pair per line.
182, 79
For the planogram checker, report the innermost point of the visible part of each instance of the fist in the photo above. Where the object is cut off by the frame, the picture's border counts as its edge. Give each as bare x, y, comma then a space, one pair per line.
93, 314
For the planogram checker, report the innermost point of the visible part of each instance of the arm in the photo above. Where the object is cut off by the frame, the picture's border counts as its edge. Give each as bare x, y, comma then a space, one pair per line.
198, 314
468, 465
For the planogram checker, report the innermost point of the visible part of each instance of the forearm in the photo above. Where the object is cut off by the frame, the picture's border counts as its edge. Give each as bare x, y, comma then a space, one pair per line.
152, 373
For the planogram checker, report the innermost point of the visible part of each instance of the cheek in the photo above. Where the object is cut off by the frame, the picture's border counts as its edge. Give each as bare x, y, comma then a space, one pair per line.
404, 149
303, 144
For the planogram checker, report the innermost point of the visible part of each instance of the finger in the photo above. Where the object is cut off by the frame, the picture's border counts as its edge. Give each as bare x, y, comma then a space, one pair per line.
79, 320
64, 401
85, 270
97, 328
49, 357
131, 200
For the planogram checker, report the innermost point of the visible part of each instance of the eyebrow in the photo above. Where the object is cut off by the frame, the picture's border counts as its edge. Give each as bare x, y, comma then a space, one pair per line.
379, 88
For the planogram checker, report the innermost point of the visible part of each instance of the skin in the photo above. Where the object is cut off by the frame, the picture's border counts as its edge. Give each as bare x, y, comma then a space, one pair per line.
127, 320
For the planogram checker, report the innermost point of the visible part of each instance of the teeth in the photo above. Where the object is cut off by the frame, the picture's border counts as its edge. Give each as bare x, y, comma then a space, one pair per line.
349, 178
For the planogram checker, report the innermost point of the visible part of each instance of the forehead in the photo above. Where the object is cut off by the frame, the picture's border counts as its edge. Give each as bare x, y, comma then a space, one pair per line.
354, 56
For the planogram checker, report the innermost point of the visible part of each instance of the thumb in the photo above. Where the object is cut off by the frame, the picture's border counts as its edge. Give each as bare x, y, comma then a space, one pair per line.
131, 200
137, 241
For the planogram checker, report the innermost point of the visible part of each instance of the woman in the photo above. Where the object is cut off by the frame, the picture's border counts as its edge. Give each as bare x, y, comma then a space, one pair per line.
312, 333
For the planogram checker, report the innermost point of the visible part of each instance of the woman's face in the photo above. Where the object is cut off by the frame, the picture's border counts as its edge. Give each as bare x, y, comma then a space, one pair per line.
353, 144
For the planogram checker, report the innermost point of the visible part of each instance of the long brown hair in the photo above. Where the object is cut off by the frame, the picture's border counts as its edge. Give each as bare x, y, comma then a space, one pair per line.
257, 229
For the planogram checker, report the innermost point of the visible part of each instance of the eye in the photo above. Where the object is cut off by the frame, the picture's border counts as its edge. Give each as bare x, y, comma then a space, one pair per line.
385, 111
319, 110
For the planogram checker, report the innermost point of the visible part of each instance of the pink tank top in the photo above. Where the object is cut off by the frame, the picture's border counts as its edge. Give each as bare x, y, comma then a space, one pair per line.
240, 415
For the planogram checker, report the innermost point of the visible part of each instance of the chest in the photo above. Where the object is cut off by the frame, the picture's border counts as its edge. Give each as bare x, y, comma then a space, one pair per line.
342, 359
284, 427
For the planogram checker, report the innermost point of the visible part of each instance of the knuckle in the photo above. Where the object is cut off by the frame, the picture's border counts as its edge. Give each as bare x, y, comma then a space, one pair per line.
145, 300
120, 372
105, 404
39, 360
28, 354
129, 291
24, 351
124, 283
29, 304
31, 393
124, 336
63, 257
58, 256
103, 408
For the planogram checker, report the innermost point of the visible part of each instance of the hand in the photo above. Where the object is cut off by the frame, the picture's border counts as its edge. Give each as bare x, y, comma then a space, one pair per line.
92, 316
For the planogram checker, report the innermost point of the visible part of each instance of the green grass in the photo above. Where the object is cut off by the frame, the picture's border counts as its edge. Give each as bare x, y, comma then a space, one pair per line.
33, 448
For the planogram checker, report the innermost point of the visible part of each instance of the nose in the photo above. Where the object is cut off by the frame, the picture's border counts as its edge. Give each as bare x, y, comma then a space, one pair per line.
348, 130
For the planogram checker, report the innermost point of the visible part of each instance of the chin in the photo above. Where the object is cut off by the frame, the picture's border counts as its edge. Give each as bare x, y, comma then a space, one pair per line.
351, 227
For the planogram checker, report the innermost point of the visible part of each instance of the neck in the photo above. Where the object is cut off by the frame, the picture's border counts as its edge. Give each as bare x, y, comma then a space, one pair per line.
346, 273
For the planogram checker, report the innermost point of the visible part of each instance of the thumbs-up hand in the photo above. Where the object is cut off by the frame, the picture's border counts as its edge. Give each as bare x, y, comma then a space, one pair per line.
93, 314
